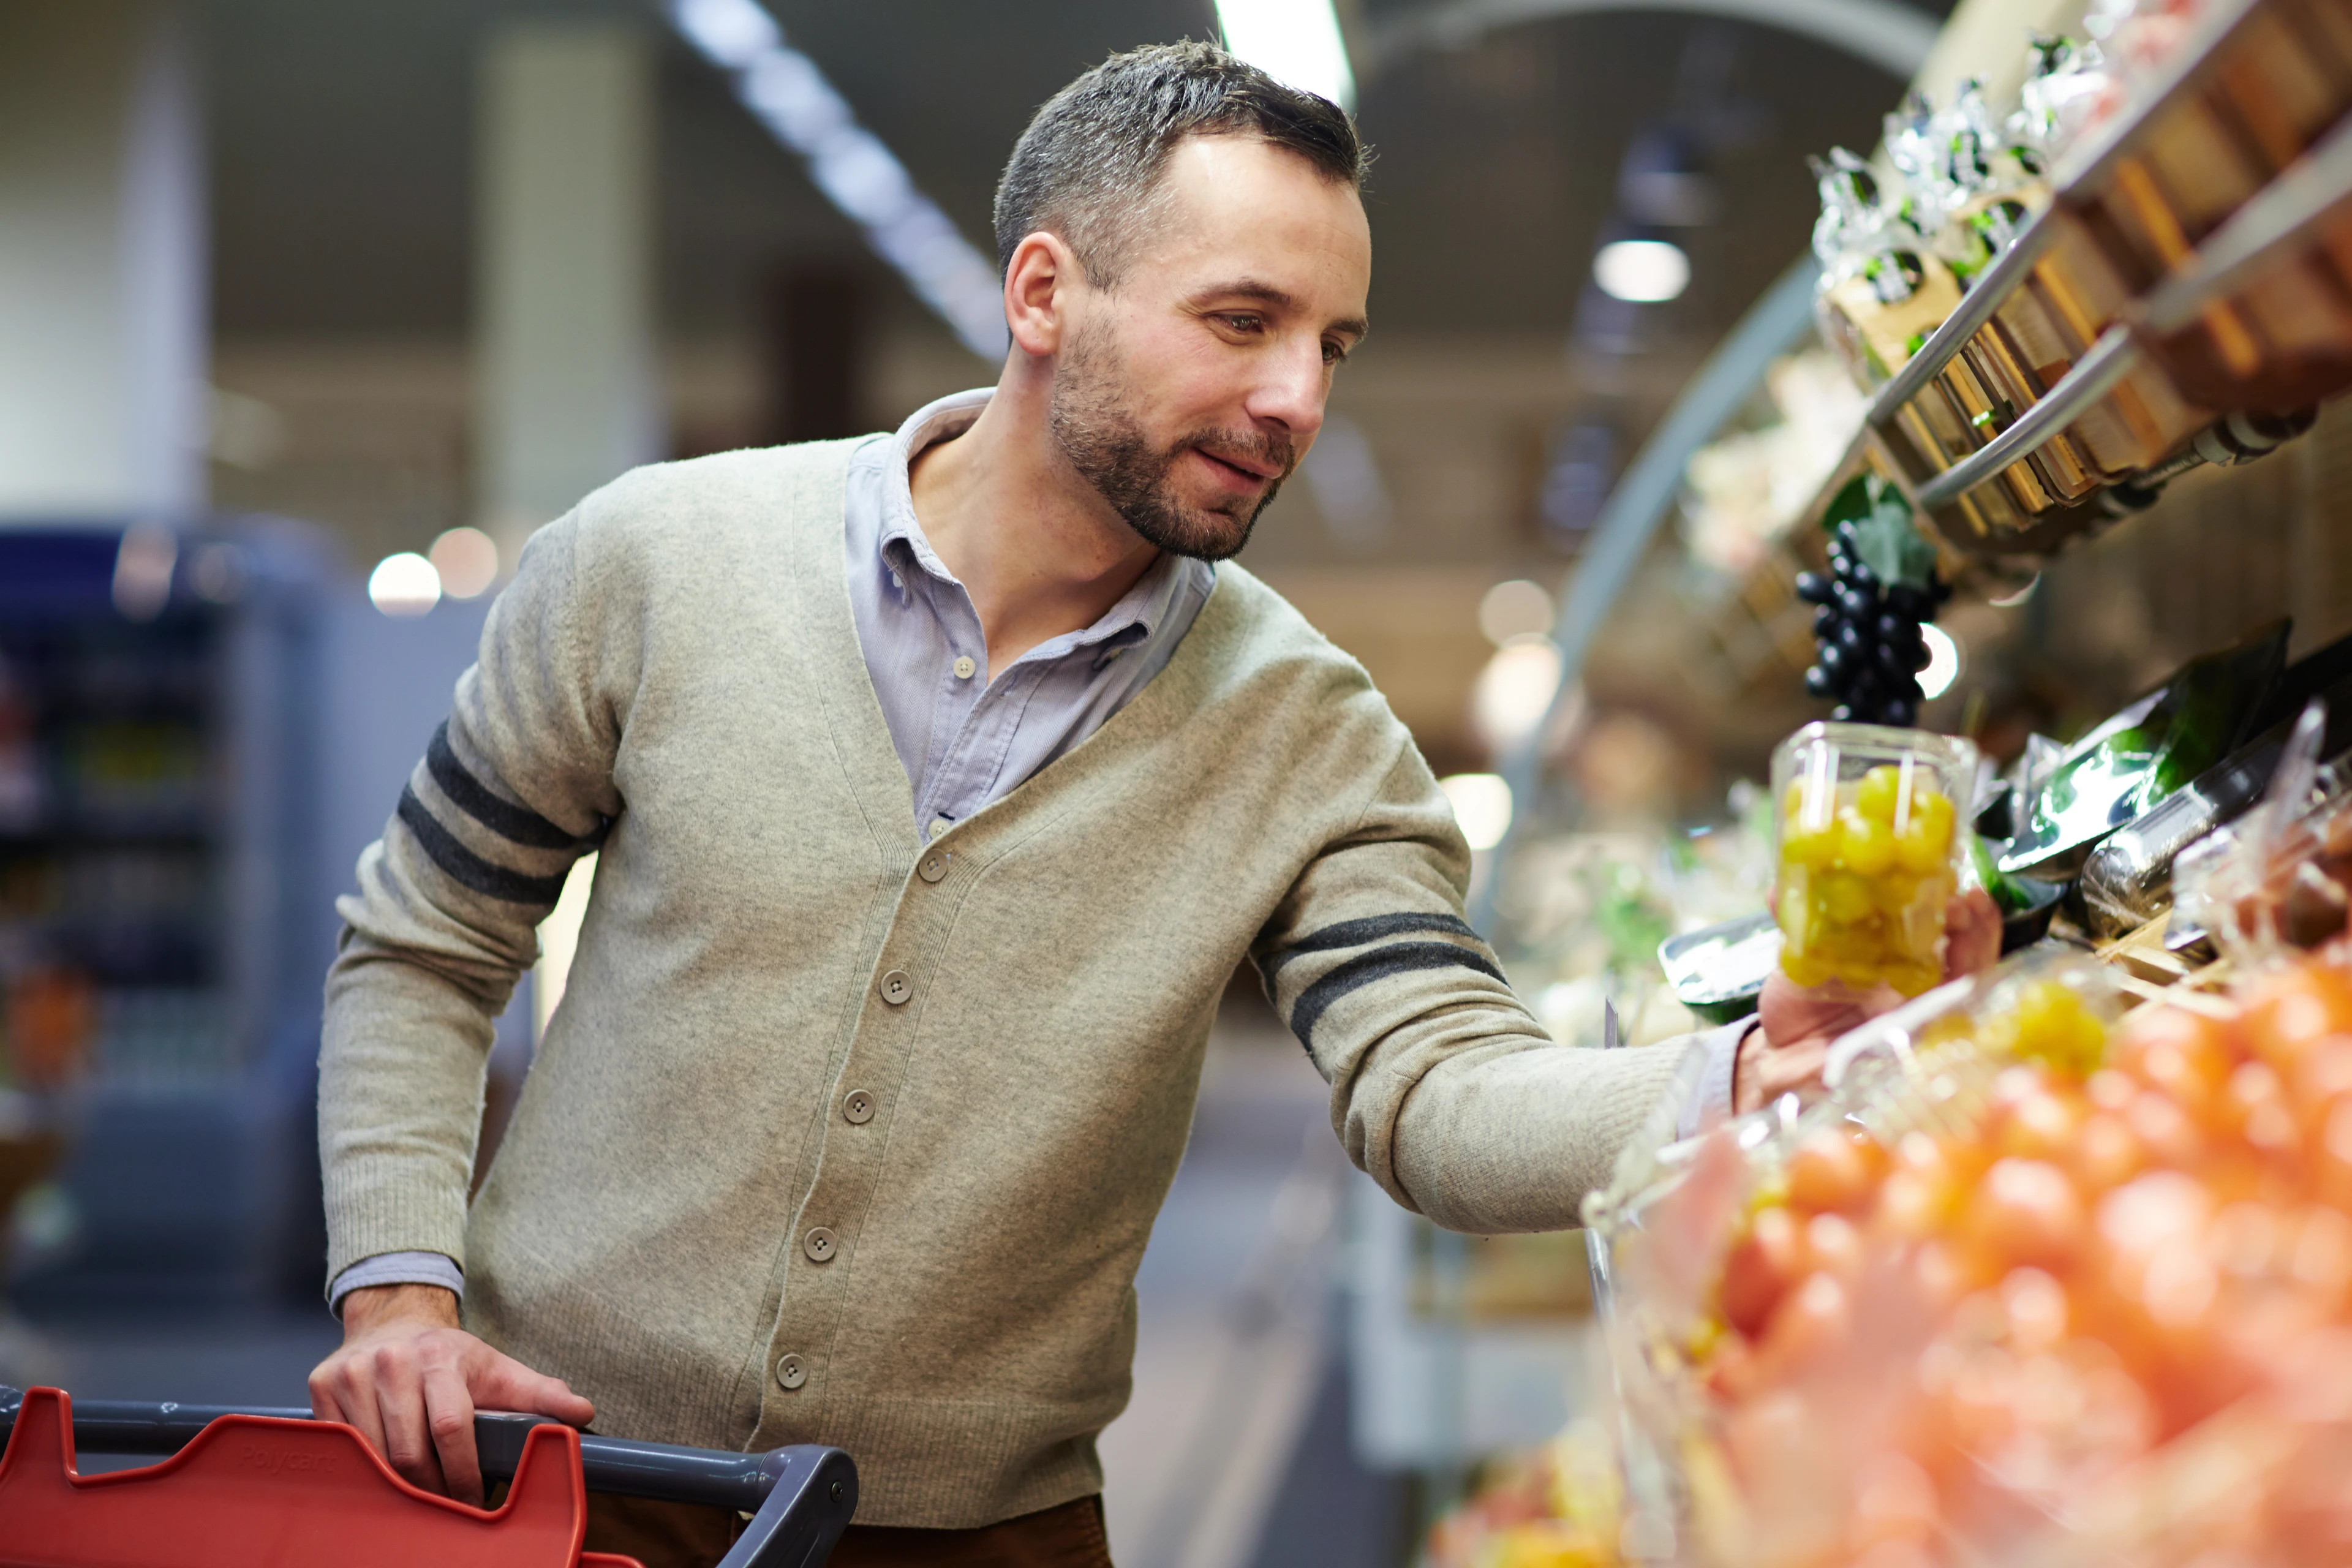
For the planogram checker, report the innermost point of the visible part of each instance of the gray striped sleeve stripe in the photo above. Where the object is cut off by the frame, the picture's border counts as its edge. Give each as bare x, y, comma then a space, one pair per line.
1356, 933
1397, 958
468, 869
469, 794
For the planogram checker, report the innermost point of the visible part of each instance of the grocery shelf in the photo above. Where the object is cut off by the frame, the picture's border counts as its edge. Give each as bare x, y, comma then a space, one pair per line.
2096, 374
1920, 425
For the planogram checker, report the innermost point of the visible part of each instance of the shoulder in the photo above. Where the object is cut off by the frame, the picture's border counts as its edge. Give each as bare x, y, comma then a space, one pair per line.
1260, 649
687, 513
1254, 626
751, 484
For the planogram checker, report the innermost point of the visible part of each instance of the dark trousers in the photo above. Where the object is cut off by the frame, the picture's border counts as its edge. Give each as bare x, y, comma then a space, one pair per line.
682, 1535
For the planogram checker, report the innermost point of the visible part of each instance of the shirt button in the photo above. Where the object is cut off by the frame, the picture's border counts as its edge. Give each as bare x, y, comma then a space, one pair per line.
820, 1245
939, 824
791, 1371
935, 865
897, 987
964, 667
857, 1108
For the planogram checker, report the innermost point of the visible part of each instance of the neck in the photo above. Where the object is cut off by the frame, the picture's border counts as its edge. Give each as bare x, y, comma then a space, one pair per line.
1035, 546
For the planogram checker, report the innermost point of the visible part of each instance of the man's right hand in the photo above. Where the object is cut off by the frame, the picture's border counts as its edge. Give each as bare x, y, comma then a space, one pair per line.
410, 1380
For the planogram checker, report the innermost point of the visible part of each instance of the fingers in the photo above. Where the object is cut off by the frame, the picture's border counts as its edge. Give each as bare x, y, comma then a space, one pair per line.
340, 1391
1971, 932
398, 1381
501, 1382
1765, 1071
1781, 1070
449, 1423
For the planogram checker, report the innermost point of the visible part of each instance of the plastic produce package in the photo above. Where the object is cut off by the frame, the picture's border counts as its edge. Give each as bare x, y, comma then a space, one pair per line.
2143, 755
2030, 1287
1869, 852
2279, 882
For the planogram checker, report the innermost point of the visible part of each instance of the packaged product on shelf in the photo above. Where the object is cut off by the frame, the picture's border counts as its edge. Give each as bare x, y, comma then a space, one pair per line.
1869, 852
1883, 289
2032, 1286
2129, 880
2060, 99
2142, 756
2280, 880
1969, 193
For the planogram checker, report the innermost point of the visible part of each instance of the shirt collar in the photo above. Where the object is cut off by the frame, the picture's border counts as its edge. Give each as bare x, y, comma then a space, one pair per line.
903, 545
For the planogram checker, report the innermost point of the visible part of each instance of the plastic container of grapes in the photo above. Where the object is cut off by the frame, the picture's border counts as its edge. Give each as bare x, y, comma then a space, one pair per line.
1869, 841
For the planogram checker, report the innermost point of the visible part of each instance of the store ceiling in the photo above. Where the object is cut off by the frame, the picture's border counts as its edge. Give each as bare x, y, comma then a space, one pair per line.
343, 130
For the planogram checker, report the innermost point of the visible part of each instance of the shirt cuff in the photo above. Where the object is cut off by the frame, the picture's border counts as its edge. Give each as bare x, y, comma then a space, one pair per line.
397, 1268
1713, 1100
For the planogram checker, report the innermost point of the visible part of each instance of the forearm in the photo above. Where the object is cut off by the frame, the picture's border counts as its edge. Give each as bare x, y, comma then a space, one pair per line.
400, 1071
1511, 1137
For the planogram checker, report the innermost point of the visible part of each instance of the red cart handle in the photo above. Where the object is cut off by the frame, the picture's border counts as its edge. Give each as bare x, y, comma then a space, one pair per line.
246, 1478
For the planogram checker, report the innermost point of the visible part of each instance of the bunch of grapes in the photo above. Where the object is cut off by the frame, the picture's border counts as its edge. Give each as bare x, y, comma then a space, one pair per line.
1871, 649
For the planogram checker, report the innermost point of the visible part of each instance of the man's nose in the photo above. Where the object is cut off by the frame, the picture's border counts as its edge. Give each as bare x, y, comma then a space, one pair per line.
1291, 392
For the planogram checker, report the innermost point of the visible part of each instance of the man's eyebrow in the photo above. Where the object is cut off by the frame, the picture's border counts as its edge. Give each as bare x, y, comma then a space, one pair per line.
1267, 293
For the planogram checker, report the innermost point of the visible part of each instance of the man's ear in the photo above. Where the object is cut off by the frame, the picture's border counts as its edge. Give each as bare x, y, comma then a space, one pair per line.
1040, 285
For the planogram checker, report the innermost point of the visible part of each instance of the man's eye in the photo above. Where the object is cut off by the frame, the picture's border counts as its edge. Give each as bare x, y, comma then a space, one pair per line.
1243, 323
1334, 354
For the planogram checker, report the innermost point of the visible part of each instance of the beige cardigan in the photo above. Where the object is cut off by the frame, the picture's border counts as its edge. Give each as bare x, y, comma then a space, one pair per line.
839, 1137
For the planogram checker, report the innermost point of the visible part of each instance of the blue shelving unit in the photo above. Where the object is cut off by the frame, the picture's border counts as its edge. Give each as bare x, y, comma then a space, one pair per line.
159, 848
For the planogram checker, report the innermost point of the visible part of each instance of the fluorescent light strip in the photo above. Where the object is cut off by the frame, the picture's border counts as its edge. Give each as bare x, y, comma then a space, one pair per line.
786, 92
1297, 42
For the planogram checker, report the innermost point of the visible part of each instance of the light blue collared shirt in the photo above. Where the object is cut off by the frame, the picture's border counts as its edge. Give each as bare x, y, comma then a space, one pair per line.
968, 736
965, 739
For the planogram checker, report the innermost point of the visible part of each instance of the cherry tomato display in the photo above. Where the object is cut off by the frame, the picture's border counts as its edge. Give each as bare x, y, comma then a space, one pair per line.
1985, 1316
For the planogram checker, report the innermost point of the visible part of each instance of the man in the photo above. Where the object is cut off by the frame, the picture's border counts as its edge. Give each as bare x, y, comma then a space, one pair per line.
940, 782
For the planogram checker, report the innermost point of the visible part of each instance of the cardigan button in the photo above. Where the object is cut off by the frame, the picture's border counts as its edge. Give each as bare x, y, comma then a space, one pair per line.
897, 987
935, 865
791, 1371
857, 1108
820, 1245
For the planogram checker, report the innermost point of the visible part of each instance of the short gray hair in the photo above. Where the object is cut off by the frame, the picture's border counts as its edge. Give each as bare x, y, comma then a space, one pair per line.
1089, 166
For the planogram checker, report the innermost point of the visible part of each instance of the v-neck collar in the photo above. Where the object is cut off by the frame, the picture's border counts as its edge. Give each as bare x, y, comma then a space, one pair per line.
814, 499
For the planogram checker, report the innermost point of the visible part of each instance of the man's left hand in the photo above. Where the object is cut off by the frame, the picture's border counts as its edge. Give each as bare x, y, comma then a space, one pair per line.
1787, 1052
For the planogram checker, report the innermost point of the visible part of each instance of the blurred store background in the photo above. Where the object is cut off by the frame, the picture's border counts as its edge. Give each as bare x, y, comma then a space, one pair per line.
310, 311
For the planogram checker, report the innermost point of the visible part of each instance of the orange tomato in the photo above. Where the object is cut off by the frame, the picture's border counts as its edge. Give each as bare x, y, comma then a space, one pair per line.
1833, 1246
1759, 1270
1835, 1171
2025, 1211
2107, 1154
2186, 1055
2164, 1129
2042, 1124
1813, 1322
2290, 1010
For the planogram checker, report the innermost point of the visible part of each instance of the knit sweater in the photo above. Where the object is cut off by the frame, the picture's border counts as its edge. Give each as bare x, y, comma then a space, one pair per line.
837, 1136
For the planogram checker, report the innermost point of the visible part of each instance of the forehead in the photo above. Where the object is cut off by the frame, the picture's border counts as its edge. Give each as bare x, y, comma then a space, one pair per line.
1238, 204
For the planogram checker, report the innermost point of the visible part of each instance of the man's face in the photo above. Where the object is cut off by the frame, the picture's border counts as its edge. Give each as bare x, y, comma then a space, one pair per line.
1188, 393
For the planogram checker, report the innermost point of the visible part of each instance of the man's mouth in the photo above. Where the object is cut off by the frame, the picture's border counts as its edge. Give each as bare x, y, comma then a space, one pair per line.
1245, 469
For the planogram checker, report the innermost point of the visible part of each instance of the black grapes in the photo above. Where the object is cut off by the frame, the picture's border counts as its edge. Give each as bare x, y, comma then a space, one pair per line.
1871, 650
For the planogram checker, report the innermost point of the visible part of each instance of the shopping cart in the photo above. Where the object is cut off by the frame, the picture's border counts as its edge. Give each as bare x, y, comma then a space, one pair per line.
274, 1488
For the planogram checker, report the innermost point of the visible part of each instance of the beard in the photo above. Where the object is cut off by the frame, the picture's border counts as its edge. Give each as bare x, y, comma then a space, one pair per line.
1111, 451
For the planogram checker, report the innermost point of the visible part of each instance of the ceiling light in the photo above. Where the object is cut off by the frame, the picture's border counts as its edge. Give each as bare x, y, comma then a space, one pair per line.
1296, 42
1482, 805
786, 92
405, 584
1645, 271
467, 562
1943, 661
1514, 691
1514, 609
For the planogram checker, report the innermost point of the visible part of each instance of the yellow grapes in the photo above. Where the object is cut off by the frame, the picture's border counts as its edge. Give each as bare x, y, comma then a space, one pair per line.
1865, 879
